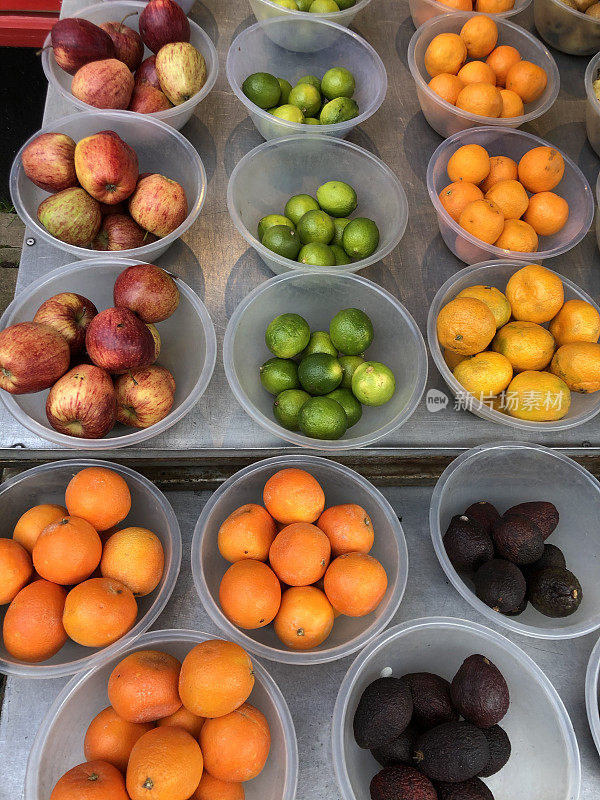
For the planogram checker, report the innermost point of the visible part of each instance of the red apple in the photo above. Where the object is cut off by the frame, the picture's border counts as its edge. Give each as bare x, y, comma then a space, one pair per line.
69, 314
148, 99
129, 47
118, 340
158, 204
181, 70
103, 84
146, 73
144, 396
147, 290
161, 22
32, 357
156, 336
106, 166
83, 403
114, 208
120, 232
71, 216
48, 161
77, 42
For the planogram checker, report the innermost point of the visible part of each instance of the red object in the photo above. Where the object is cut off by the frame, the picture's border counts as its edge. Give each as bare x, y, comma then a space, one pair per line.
29, 24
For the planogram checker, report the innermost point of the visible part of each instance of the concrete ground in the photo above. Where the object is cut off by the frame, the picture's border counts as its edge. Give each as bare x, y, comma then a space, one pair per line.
11, 240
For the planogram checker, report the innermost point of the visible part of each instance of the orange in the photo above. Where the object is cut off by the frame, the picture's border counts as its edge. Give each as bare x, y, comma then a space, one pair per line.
577, 321
537, 396
355, 584
535, 294
510, 197
482, 219
250, 594
248, 532
32, 523
518, 237
493, 6
452, 359
16, 569
502, 168
458, 5
165, 764
99, 495
512, 105
527, 80
446, 52
67, 551
143, 687
99, 611
182, 718
547, 213
527, 345
501, 60
447, 86
211, 788
541, 169
578, 365
33, 629
236, 746
94, 780
111, 738
305, 618
480, 35
293, 495
216, 678
465, 325
300, 554
477, 72
470, 163
480, 98
484, 375
134, 556
457, 195
348, 528
494, 299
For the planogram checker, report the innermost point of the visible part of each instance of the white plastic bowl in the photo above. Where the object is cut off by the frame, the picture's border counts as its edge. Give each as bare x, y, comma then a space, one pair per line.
159, 148
58, 744
565, 28
341, 485
149, 508
592, 106
507, 473
497, 273
266, 177
544, 762
189, 349
116, 10
318, 296
592, 694
265, 9
513, 143
422, 11
447, 119
288, 48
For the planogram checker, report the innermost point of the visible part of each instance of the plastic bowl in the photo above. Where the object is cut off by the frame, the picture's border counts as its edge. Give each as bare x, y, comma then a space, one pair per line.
318, 296
565, 28
265, 9
186, 5
592, 694
422, 11
189, 349
445, 118
545, 757
279, 46
149, 508
266, 177
159, 149
177, 116
507, 142
507, 473
58, 744
341, 485
592, 107
496, 273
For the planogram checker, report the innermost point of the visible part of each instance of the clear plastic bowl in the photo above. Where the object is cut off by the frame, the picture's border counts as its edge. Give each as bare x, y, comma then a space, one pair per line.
341, 485
149, 508
592, 107
265, 9
266, 177
507, 142
58, 744
159, 149
544, 762
115, 10
507, 473
496, 273
288, 48
318, 296
445, 118
592, 694
186, 5
189, 349
565, 28
423, 10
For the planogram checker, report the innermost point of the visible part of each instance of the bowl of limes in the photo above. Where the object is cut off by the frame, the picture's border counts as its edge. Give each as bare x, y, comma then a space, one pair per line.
340, 11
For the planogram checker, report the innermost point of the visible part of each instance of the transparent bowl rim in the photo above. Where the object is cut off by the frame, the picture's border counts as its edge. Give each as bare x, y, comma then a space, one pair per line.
592, 677
589, 79
332, 15
573, 11
520, 5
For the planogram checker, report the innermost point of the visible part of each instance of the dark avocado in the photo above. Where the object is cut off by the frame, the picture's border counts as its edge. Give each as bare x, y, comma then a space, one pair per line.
479, 692
484, 513
431, 699
519, 609
518, 540
555, 592
540, 512
468, 790
399, 750
383, 712
500, 584
551, 557
467, 544
401, 782
452, 752
500, 749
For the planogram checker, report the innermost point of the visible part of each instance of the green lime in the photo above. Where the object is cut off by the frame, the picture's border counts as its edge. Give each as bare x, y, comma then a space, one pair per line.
361, 238
287, 335
306, 98
373, 384
349, 403
283, 240
262, 89
349, 365
338, 82
337, 198
319, 373
341, 257
286, 88
279, 374
312, 80
304, 5
323, 7
317, 254
311, 121
291, 4
341, 109
270, 221
298, 205
339, 224
289, 112
286, 407
316, 226
343, 4
319, 343
322, 418
351, 331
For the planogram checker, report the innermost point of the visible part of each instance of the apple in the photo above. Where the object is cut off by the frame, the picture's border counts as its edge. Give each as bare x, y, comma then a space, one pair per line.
144, 396
77, 42
147, 290
83, 403
103, 84
158, 205
129, 47
120, 232
157, 342
71, 216
113, 208
148, 99
69, 314
181, 70
161, 22
146, 73
49, 162
106, 166
118, 340
32, 357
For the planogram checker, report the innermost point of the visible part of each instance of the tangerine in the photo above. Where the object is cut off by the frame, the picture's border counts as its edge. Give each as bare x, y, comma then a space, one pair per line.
67, 551
355, 584
134, 556
94, 780
293, 495
577, 321
305, 618
547, 213
110, 738
300, 554
535, 294
165, 764
32, 523
143, 687
100, 496
541, 169
16, 569
457, 195
248, 532
348, 527
250, 594
99, 611
33, 629
236, 746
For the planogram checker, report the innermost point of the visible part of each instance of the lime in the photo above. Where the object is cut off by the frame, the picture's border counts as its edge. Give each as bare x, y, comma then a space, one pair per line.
337, 198
322, 418
279, 374
317, 254
360, 238
306, 98
270, 221
262, 89
341, 109
304, 5
288, 112
319, 373
339, 224
298, 205
351, 331
349, 365
343, 4
287, 335
286, 88
312, 80
291, 4
286, 407
373, 384
311, 121
283, 240
349, 403
323, 7
338, 82
341, 258
316, 226
319, 343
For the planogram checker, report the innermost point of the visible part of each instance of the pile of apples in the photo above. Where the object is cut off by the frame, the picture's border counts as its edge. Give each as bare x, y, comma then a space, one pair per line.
107, 64
99, 366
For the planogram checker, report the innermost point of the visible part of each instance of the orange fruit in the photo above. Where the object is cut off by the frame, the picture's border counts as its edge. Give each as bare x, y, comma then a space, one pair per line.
518, 237
484, 375
33, 630
293, 495
16, 569
512, 105
547, 213
216, 678
236, 746
355, 584
501, 59
578, 365
480, 35
457, 195
535, 294
482, 219
248, 532
510, 197
32, 523
465, 325
348, 528
211, 788
305, 618
300, 554
94, 780
452, 359
111, 738
470, 163
541, 169
99, 495
99, 611
502, 168
494, 299
537, 396
143, 687
458, 5
447, 86
182, 718
493, 6
446, 52
67, 551
165, 764
527, 345
476, 72
577, 321
480, 98
527, 80
250, 594
134, 556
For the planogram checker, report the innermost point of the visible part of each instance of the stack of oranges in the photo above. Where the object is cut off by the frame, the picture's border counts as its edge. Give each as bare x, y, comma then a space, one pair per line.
296, 564
174, 730
484, 6
66, 574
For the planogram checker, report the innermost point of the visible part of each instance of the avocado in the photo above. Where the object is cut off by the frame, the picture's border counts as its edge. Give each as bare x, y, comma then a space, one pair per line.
468, 790
431, 699
518, 540
500, 585
479, 692
399, 750
401, 782
555, 592
519, 609
452, 752
383, 712
551, 557
484, 513
540, 512
500, 749
467, 544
